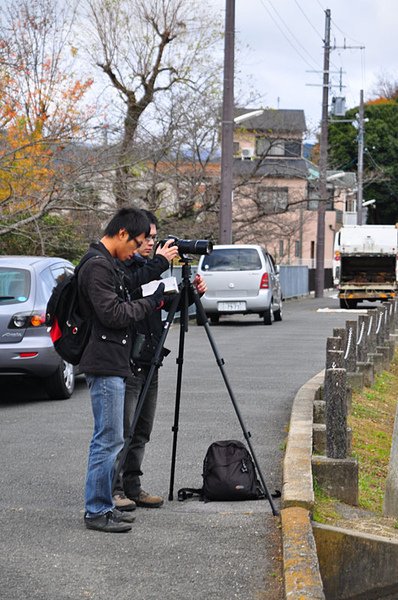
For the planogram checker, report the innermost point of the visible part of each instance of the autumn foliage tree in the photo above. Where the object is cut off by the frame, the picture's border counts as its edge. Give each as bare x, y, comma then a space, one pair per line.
41, 113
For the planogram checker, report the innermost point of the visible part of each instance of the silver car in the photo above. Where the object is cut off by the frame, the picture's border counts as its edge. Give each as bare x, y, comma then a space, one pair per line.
241, 278
26, 348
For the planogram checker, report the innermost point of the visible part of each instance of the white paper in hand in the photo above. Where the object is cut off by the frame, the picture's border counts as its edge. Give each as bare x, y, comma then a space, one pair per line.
170, 286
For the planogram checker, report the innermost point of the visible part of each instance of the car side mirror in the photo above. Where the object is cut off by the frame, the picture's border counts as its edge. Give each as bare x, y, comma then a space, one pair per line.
277, 270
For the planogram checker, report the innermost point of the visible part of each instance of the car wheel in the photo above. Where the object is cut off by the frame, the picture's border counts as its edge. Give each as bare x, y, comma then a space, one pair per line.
60, 385
268, 314
278, 313
214, 319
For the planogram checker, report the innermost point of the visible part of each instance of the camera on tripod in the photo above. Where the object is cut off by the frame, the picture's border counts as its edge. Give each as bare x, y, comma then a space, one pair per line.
189, 246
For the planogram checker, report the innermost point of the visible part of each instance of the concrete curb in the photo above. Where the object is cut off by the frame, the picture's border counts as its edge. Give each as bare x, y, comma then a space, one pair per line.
300, 561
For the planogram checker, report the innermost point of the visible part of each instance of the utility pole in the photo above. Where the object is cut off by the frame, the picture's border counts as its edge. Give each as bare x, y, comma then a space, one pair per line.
227, 129
360, 159
323, 161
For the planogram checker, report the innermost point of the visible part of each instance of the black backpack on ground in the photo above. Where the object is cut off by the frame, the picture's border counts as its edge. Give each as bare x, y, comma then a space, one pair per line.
228, 474
69, 330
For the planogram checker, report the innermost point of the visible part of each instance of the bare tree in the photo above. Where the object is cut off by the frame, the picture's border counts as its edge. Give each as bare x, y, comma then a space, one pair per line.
386, 87
146, 48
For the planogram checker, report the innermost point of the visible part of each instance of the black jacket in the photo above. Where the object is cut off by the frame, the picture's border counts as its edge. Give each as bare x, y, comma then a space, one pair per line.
140, 271
103, 296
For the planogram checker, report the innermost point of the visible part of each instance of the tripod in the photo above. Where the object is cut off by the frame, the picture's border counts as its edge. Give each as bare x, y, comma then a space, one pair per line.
181, 301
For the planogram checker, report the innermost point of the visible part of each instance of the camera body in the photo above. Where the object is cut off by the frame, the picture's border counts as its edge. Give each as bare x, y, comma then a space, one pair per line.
190, 246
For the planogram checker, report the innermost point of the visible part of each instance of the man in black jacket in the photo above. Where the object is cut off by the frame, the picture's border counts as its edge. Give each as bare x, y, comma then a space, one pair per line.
128, 492
104, 297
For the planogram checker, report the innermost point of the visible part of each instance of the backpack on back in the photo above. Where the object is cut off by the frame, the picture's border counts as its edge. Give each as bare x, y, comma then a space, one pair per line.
228, 474
69, 331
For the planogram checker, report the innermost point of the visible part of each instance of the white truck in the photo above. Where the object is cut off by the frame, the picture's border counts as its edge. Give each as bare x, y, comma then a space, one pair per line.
365, 263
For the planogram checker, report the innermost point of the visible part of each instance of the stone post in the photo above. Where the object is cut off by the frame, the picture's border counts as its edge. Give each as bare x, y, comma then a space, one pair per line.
362, 341
390, 505
336, 413
374, 356
351, 346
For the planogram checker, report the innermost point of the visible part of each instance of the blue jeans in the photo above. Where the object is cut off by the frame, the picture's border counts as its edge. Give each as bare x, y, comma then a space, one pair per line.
107, 401
131, 470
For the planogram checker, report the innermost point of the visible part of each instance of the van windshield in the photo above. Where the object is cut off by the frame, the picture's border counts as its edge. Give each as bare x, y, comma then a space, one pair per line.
232, 259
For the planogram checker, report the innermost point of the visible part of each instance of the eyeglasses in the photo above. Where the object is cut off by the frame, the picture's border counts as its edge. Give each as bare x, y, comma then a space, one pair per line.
138, 242
151, 238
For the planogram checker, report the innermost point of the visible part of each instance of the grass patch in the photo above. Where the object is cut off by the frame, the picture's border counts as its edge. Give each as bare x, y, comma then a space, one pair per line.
372, 423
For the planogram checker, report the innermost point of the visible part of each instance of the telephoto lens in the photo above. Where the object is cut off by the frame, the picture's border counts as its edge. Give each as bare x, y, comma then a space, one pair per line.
189, 246
194, 246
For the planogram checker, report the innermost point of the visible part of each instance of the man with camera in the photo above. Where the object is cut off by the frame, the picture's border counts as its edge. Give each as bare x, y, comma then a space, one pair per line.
128, 492
104, 299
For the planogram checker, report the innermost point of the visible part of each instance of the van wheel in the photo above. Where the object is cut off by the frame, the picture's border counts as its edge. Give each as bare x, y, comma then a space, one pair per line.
214, 319
268, 314
60, 385
278, 313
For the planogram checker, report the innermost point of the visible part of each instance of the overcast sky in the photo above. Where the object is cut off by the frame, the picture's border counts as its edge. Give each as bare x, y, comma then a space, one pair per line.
281, 41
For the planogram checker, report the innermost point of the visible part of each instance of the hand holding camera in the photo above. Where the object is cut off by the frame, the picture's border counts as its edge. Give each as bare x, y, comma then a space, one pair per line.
169, 250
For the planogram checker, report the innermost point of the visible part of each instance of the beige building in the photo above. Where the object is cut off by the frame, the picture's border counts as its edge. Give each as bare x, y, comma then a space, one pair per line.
275, 188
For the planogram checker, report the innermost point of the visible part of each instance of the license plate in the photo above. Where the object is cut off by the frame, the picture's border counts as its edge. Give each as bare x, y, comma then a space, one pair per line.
231, 306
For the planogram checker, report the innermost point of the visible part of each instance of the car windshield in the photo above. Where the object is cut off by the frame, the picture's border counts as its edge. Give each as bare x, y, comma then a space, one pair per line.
232, 259
14, 285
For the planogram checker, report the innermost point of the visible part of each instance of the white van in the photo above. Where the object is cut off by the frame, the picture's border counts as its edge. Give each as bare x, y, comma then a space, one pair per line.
243, 279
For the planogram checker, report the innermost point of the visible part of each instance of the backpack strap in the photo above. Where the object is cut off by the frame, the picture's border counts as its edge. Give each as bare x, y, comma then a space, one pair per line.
185, 493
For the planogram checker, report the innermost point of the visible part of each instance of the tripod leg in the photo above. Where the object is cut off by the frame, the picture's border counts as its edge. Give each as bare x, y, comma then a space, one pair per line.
220, 362
156, 363
180, 361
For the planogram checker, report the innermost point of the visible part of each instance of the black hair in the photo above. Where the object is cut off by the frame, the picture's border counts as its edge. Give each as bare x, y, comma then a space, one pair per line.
151, 217
133, 220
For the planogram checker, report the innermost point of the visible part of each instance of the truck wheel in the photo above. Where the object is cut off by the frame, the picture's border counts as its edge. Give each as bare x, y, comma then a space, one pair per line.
60, 385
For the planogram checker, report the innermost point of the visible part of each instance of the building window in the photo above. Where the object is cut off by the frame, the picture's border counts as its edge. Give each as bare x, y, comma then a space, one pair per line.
266, 147
281, 249
236, 149
273, 199
297, 249
293, 149
313, 199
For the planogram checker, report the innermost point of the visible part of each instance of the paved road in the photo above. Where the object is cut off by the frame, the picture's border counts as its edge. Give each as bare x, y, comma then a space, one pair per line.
184, 550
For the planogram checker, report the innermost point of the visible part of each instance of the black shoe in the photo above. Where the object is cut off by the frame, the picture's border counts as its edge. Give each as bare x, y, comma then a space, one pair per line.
107, 523
123, 515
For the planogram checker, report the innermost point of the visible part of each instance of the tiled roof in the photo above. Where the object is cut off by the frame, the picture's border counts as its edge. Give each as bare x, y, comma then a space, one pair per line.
281, 167
277, 120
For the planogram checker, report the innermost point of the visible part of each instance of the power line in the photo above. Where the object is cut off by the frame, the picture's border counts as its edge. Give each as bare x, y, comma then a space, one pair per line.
286, 37
307, 19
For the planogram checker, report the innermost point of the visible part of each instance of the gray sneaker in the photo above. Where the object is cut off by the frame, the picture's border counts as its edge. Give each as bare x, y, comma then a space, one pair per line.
123, 516
107, 523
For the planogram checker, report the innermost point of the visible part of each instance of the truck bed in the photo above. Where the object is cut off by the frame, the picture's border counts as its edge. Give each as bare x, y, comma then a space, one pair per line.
357, 270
